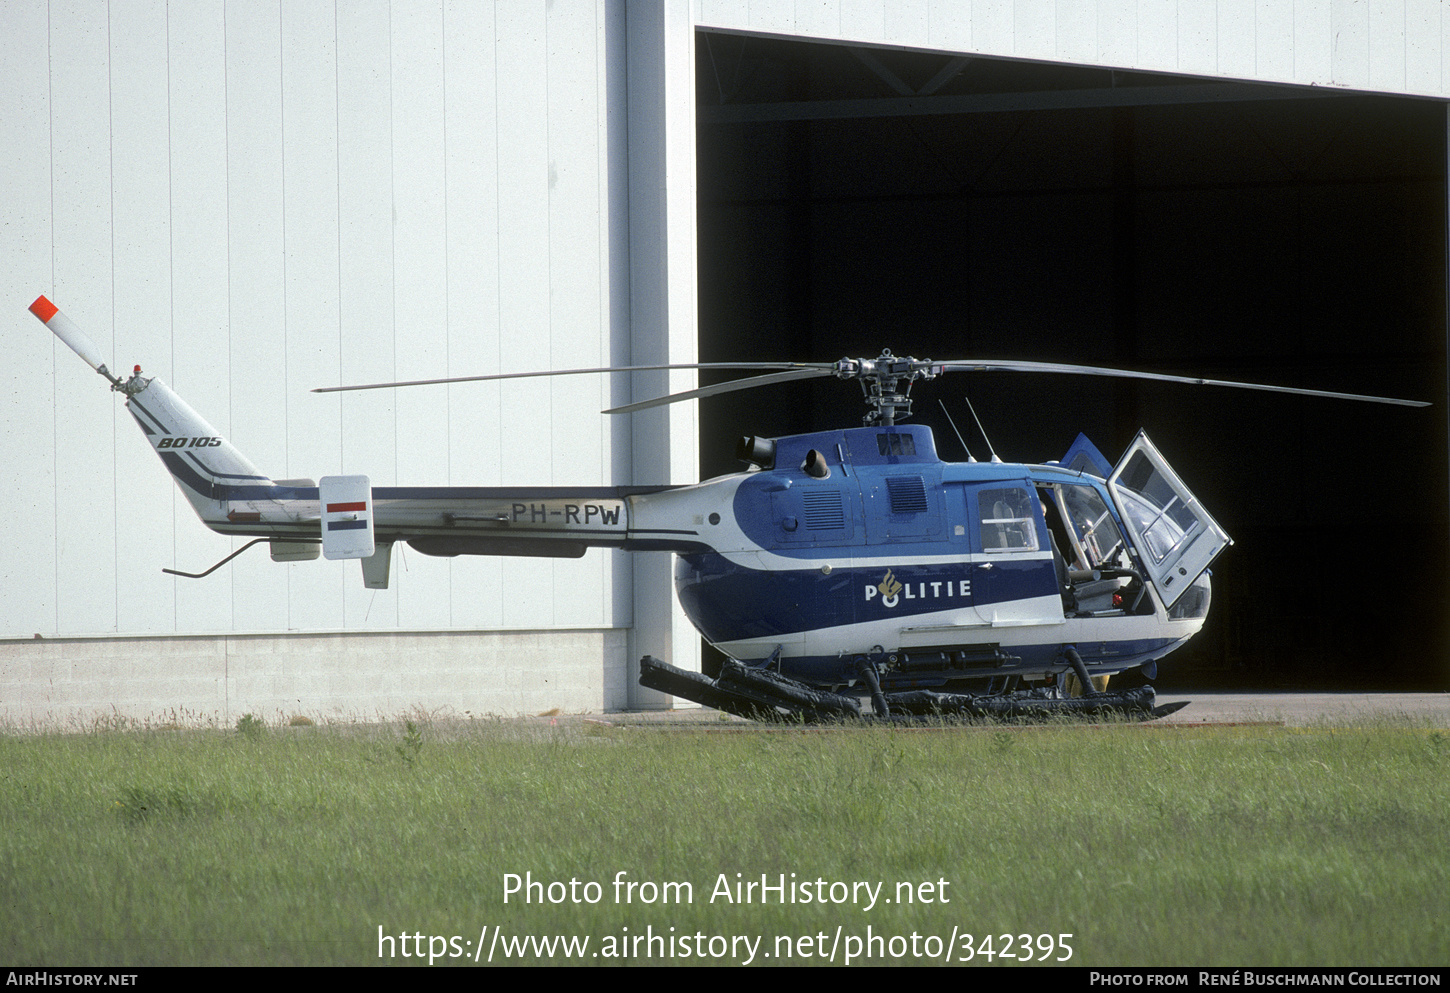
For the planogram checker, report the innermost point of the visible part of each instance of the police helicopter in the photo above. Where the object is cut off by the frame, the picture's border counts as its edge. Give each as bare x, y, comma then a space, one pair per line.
841, 564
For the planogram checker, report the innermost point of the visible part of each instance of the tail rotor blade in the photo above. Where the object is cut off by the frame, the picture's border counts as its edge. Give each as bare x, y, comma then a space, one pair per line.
75, 339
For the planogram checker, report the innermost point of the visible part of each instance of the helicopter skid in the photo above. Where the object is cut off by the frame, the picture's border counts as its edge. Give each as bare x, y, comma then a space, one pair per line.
759, 695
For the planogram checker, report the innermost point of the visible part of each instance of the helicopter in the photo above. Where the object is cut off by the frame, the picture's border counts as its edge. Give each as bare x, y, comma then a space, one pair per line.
840, 564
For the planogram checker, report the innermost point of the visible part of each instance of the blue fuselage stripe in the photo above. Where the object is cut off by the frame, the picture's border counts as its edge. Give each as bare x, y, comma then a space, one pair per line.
728, 602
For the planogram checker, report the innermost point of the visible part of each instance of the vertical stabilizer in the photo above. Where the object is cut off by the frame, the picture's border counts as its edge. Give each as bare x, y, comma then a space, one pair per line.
220, 482
207, 467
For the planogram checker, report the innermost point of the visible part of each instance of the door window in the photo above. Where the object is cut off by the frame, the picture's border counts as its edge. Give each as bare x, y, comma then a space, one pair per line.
1009, 523
1175, 535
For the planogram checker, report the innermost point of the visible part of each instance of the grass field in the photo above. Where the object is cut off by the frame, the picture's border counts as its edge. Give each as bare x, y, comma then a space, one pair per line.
1149, 846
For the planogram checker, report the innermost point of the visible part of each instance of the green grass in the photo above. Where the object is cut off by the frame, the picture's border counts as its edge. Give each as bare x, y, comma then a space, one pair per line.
291, 845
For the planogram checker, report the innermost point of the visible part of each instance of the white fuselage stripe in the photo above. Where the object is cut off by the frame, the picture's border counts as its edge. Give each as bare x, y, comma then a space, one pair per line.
965, 626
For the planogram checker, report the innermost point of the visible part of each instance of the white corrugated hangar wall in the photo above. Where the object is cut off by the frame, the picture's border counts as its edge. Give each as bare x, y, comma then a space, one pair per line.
251, 199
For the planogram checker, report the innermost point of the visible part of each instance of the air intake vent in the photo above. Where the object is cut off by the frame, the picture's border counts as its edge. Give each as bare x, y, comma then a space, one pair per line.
908, 494
823, 511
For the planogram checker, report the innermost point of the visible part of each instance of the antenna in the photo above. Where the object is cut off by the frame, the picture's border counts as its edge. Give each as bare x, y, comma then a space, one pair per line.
970, 456
980, 428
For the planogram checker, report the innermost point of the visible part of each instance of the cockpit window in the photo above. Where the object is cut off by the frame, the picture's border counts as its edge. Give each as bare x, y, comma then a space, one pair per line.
1007, 519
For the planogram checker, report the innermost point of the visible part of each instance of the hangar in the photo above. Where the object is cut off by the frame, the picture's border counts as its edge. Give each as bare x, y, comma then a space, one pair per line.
254, 199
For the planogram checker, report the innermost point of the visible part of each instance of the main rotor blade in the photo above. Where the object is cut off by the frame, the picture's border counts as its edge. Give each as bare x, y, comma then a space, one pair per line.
1011, 365
749, 382
572, 372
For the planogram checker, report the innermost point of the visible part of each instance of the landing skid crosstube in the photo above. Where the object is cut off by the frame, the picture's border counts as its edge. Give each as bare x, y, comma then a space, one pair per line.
759, 695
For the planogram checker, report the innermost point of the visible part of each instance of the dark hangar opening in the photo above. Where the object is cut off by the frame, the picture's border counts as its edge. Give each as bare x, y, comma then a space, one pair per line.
947, 206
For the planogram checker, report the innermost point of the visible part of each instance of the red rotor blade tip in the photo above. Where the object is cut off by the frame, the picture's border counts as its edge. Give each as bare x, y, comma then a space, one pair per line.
43, 309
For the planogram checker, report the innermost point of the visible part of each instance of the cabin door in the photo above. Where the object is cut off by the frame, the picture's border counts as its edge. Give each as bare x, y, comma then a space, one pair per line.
1175, 537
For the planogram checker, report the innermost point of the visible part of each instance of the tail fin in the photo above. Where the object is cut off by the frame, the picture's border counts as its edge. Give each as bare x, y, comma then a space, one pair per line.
211, 473
207, 467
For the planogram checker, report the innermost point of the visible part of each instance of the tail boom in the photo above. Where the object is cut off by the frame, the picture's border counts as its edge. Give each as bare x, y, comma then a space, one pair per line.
231, 496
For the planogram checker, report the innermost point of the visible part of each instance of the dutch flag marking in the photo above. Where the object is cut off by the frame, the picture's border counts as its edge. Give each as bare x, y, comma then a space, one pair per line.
347, 521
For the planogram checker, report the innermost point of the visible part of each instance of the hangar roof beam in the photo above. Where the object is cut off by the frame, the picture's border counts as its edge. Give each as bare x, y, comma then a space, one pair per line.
945, 75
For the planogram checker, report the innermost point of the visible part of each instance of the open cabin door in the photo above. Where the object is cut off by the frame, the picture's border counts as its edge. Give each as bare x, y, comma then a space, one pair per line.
1176, 538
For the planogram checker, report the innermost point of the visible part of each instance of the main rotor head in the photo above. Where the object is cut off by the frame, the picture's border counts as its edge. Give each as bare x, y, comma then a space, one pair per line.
886, 384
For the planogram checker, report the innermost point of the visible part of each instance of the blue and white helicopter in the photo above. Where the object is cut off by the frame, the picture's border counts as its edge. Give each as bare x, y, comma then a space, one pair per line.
843, 563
